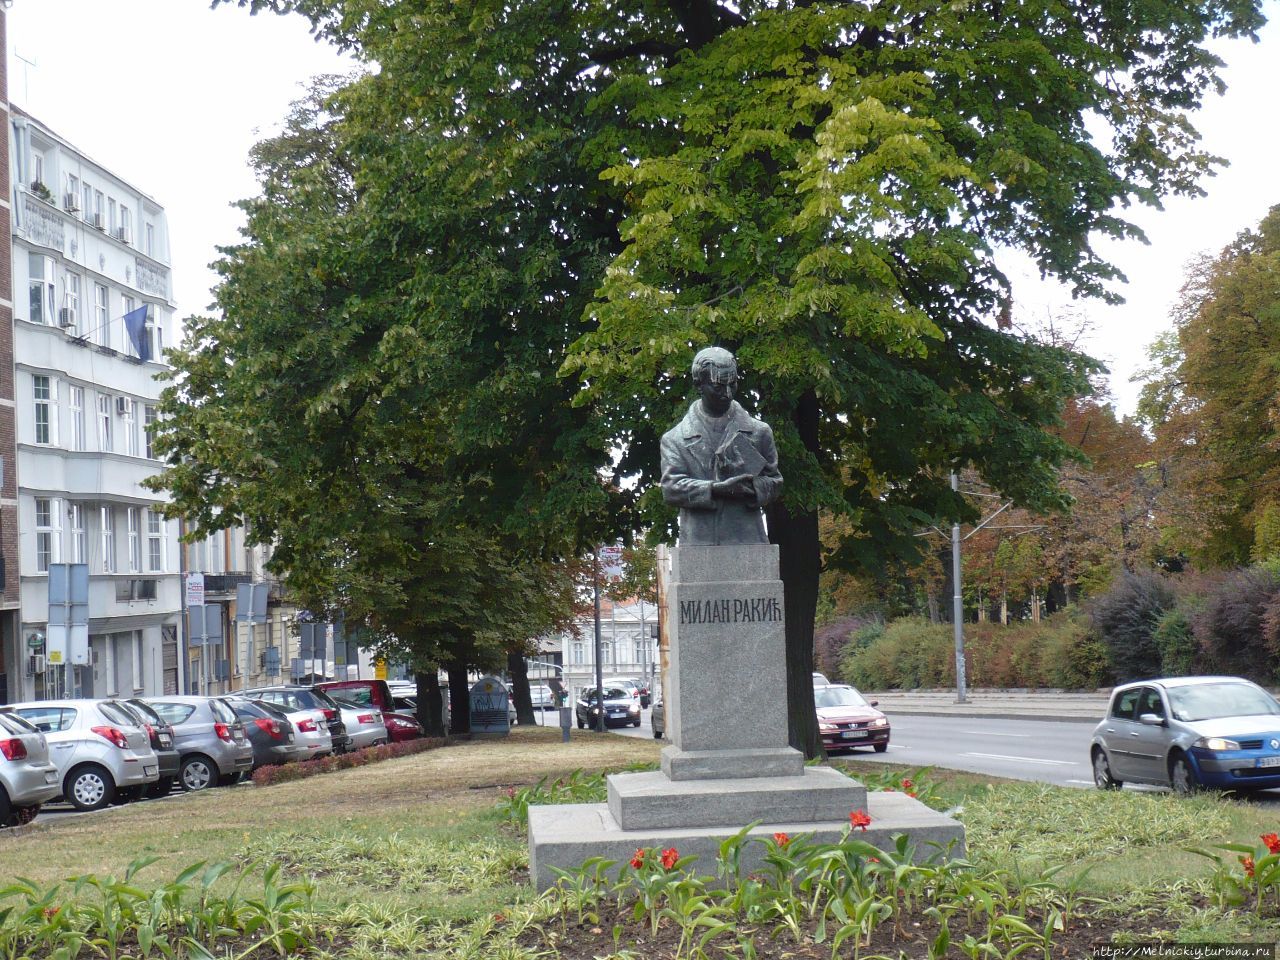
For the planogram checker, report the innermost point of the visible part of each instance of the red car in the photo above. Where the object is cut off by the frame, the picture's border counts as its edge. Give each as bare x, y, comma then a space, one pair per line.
846, 720
402, 726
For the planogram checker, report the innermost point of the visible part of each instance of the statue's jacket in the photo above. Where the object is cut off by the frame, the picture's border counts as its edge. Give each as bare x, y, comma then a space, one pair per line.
690, 464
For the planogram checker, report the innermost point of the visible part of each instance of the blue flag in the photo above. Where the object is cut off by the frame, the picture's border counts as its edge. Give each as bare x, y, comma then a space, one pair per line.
135, 324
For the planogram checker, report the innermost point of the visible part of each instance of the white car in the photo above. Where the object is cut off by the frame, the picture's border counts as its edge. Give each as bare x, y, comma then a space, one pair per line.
311, 737
364, 724
28, 777
97, 746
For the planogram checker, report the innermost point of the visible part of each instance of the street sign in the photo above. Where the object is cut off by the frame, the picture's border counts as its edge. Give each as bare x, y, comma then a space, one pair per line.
195, 589
610, 557
379, 669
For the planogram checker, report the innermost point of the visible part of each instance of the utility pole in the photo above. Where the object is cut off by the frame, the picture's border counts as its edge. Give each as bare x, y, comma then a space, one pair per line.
957, 601
599, 646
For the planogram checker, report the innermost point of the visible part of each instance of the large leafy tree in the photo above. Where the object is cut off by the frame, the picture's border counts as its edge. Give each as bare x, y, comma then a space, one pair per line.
820, 186
1211, 398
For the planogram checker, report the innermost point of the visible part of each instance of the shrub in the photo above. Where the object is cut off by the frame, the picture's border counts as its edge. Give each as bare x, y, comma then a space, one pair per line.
284, 773
1231, 628
1125, 618
1177, 644
910, 653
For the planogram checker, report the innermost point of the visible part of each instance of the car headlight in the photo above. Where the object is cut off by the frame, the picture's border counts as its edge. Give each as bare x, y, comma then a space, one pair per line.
879, 722
1216, 743
828, 727
633, 709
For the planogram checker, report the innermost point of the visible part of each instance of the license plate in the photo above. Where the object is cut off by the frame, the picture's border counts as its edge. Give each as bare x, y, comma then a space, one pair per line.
1269, 762
148, 771
166, 740
853, 734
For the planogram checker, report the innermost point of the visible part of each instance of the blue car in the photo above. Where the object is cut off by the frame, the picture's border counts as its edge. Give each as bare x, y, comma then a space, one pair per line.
1188, 733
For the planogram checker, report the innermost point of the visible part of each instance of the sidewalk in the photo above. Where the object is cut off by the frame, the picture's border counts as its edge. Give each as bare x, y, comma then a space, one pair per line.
995, 704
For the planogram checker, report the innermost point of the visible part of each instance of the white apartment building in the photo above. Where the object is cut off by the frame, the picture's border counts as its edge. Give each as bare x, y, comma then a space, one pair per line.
89, 249
629, 646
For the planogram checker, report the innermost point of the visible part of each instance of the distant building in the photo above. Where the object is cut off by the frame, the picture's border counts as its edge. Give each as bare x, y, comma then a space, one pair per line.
92, 312
629, 646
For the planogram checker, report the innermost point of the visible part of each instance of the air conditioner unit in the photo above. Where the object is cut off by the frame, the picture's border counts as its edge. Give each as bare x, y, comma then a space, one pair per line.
35, 664
123, 405
122, 235
67, 317
96, 220
70, 202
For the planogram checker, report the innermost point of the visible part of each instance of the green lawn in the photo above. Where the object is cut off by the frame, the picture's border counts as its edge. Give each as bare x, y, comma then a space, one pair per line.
416, 857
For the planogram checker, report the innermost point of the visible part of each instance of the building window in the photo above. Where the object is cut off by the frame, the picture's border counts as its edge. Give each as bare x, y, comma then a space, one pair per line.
111, 214
149, 430
150, 248
48, 528
138, 653
72, 200
104, 422
101, 315
37, 169
97, 209
126, 307
70, 315
578, 651
216, 557
87, 210
79, 542
126, 224
108, 517
41, 298
127, 426
154, 332
78, 436
45, 392
155, 541
135, 540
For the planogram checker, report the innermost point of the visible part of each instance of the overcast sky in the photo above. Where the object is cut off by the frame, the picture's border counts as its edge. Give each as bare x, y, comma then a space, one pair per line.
171, 95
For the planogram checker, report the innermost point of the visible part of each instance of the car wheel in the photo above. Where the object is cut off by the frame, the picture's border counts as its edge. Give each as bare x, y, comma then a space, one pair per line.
89, 787
881, 747
637, 723
160, 788
197, 773
1102, 778
1181, 777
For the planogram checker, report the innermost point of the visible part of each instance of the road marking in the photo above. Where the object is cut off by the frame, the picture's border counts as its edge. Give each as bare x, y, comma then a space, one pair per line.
1086, 782
1001, 756
986, 733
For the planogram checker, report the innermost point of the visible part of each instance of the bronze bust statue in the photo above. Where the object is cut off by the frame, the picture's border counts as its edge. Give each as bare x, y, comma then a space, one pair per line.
719, 464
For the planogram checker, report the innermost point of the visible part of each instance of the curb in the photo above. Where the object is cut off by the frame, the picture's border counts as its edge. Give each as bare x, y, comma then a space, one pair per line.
891, 712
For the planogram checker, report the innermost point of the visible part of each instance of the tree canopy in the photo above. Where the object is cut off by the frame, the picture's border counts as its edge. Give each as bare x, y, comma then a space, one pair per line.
597, 189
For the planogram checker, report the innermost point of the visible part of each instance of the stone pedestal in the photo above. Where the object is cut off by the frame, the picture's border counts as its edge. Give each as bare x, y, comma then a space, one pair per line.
729, 763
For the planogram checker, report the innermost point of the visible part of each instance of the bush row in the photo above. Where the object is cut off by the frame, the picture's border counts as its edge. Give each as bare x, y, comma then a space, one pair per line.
1060, 651
266, 776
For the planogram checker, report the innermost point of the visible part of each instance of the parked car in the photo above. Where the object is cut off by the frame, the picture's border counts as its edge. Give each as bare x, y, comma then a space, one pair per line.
402, 726
311, 736
846, 720
542, 697
363, 722
97, 746
820, 679
272, 737
161, 733
638, 690
293, 698
1188, 733
658, 720
620, 708
212, 745
28, 778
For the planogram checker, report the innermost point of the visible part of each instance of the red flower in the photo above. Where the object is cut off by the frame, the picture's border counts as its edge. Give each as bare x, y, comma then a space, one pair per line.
859, 818
906, 784
911, 793
511, 792
1272, 841
638, 860
1247, 863
781, 839
51, 912
873, 859
669, 858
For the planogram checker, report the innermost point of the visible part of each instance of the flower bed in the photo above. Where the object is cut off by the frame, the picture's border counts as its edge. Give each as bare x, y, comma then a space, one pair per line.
283, 773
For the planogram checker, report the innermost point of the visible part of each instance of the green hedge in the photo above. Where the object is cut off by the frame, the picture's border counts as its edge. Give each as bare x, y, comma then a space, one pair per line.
1060, 651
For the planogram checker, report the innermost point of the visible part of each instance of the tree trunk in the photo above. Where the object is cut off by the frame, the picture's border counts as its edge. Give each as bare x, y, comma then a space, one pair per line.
1035, 606
800, 561
459, 698
518, 671
1004, 609
934, 615
430, 702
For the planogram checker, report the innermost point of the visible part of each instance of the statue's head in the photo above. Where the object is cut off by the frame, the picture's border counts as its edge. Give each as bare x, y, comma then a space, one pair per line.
715, 374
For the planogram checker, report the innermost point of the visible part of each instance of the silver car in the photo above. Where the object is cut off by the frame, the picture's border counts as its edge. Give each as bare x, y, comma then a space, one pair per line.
98, 747
364, 724
210, 738
1187, 733
311, 737
28, 777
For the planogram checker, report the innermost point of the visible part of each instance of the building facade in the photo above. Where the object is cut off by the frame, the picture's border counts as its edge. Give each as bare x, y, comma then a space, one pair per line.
628, 642
93, 313
11, 651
